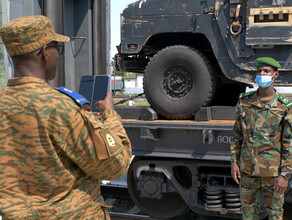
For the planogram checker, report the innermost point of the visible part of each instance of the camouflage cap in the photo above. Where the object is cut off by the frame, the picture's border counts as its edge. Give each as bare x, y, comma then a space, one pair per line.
26, 34
267, 61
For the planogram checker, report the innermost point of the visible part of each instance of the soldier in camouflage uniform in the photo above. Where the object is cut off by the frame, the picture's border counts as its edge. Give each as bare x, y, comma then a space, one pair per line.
261, 152
53, 149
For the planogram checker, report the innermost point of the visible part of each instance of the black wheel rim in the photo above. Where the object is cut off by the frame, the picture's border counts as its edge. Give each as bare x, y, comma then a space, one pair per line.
177, 83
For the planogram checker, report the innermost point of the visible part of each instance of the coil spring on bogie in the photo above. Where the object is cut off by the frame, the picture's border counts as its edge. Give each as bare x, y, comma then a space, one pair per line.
232, 201
217, 199
214, 198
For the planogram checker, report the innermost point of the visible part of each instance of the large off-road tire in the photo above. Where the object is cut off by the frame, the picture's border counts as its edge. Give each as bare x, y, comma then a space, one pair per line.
179, 80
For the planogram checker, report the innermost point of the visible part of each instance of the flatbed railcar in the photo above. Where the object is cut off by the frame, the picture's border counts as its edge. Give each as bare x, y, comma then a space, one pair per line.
185, 164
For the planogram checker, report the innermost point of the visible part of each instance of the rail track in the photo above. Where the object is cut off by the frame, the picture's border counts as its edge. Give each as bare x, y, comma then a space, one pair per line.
124, 208
122, 216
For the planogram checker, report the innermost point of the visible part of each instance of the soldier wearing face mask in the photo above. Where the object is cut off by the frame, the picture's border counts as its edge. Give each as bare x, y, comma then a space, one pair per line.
261, 152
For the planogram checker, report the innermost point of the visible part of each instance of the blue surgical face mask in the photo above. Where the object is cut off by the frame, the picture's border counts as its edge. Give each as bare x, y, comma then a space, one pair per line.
264, 81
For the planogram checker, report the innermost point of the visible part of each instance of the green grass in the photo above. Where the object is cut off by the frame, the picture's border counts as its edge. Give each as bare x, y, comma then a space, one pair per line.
120, 94
137, 102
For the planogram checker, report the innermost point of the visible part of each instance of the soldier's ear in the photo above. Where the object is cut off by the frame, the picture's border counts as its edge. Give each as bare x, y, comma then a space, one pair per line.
276, 74
45, 53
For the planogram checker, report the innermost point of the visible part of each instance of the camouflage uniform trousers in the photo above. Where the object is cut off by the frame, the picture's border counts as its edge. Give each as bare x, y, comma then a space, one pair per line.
252, 190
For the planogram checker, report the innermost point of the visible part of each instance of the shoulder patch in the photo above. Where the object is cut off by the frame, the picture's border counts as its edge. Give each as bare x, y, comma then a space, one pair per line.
245, 94
112, 146
285, 101
78, 98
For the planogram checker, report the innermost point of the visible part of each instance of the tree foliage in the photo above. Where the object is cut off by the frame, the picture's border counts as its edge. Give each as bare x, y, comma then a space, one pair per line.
115, 72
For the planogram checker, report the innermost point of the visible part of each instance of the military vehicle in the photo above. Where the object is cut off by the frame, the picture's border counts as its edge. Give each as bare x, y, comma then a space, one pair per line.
200, 53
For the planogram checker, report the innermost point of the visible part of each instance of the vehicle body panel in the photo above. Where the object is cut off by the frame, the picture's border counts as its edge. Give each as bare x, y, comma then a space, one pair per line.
144, 20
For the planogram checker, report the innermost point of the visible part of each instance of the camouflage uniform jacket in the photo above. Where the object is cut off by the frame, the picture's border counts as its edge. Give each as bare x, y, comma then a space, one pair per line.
53, 154
262, 142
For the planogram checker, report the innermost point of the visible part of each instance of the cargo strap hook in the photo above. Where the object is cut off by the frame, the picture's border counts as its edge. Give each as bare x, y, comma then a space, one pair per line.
236, 27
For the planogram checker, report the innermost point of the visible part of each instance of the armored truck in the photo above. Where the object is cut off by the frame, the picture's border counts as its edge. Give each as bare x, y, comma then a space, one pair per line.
202, 53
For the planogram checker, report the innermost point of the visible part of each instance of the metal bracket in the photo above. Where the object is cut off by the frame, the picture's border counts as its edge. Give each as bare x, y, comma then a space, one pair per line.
236, 27
207, 136
83, 39
149, 133
78, 38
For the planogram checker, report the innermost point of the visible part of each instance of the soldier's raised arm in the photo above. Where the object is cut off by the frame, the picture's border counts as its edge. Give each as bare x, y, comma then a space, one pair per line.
98, 145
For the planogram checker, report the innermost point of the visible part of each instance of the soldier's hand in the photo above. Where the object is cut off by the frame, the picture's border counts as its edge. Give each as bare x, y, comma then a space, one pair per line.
235, 172
281, 184
107, 103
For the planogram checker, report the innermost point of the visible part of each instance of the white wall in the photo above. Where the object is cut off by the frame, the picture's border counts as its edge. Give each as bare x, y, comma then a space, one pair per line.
134, 85
140, 78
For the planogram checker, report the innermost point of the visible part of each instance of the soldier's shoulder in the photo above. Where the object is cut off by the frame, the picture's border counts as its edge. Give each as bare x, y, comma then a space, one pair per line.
75, 96
246, 94
287, 102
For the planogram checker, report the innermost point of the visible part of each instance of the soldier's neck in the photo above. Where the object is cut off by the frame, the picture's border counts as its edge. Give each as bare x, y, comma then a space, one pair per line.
266, 92
26, 70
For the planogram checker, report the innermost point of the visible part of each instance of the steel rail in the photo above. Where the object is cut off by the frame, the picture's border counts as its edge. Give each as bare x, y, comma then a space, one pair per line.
122, 216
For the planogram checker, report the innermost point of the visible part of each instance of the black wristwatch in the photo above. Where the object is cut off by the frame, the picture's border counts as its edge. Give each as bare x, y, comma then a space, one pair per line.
287, 175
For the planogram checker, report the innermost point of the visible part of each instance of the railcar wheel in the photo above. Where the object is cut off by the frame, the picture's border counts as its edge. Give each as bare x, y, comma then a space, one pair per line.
170, 206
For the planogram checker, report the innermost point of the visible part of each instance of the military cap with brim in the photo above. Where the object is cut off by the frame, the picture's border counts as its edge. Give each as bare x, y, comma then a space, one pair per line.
267, 61
26, 34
